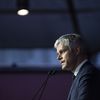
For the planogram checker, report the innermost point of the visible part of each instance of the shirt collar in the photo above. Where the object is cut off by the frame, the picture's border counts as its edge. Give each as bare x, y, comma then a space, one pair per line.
79, 66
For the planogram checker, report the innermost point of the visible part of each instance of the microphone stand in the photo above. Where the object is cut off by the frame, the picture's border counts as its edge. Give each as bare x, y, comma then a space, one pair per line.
42, 88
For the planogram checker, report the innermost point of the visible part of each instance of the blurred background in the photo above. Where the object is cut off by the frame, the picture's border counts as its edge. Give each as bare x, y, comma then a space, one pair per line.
26, 42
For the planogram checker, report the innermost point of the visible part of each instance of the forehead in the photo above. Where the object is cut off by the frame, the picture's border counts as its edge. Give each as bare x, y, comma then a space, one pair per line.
60, 47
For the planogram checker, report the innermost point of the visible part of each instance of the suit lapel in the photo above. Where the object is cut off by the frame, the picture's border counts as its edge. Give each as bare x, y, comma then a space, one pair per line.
71, 89
75, 80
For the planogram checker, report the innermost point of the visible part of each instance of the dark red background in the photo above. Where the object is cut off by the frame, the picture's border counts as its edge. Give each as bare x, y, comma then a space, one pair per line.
23, 85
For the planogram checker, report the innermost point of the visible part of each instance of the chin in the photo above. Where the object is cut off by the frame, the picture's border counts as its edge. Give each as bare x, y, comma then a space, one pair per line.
63, 67
66, 68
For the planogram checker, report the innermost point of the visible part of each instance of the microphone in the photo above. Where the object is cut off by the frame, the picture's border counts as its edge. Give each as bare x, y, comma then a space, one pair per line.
42, 88
52, 72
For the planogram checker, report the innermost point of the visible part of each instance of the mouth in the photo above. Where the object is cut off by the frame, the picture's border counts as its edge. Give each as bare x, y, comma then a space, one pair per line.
62, 62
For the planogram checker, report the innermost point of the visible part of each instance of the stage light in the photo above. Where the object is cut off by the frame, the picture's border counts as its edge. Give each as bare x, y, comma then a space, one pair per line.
22, 6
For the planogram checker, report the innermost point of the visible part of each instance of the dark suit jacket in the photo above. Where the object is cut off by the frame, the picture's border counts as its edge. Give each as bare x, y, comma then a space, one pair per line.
86, 85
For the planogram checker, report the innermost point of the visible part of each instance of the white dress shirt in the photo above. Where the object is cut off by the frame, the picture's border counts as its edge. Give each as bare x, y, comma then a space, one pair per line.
79, 66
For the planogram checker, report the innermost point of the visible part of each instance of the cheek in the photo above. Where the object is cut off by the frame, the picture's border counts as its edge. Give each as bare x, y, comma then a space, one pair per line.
69, 57
72, 57
66, 57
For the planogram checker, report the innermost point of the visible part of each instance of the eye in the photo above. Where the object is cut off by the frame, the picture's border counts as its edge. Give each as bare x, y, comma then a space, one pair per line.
63, 51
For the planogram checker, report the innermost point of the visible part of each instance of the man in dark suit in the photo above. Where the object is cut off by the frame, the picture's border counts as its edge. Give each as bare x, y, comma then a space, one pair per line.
72, 54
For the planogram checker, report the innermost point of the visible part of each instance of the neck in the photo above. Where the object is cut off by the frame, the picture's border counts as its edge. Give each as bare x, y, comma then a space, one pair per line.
78, 61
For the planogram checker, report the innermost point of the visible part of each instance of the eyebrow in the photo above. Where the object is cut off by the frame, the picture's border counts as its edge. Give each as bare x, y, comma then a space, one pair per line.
63, 50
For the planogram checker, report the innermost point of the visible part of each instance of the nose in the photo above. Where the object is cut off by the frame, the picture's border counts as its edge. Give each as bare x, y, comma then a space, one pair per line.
59, 57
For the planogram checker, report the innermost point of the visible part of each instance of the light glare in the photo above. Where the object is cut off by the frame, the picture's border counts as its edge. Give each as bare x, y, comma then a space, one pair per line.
23, 12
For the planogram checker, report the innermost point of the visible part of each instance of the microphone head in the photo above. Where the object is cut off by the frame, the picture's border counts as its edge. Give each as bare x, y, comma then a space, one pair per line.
52, 72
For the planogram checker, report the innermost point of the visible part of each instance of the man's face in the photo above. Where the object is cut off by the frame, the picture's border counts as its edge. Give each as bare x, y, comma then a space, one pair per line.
66, 57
